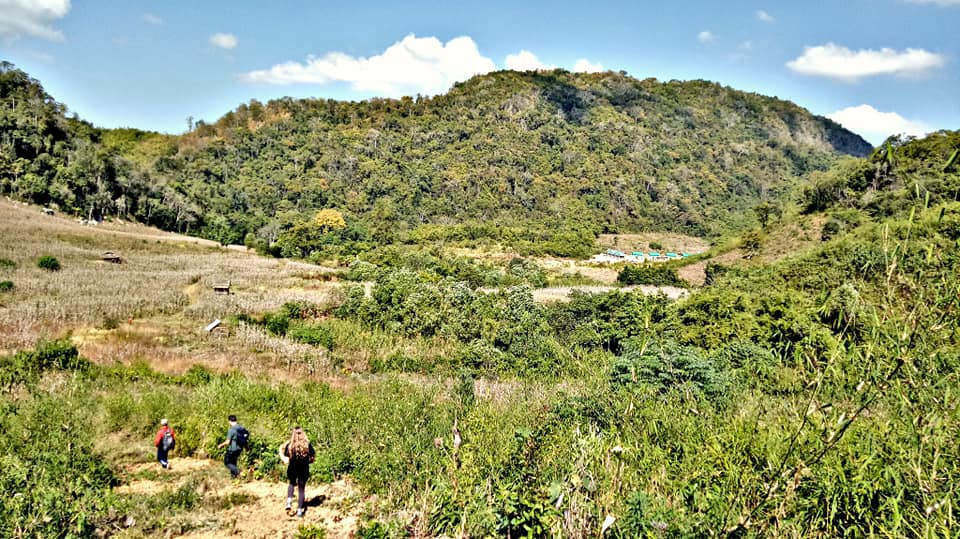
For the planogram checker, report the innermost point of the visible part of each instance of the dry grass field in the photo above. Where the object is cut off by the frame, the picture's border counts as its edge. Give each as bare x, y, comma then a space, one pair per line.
678, 243
154, 305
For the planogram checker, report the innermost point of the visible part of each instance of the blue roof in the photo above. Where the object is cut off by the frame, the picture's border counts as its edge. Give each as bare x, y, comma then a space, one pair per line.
615, 252
654, 253
672, 255
637, 253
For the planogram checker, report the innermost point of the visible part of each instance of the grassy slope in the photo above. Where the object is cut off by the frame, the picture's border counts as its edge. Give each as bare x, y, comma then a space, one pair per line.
688, 465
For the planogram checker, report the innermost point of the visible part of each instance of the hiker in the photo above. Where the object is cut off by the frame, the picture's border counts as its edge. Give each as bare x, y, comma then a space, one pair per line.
297, 454
164, 442
236, 441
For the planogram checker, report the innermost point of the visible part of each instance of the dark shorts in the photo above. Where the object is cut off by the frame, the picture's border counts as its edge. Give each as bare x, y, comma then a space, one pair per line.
298, 475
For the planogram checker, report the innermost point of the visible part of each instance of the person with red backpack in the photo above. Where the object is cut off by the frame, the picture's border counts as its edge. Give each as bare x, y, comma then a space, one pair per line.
164, 442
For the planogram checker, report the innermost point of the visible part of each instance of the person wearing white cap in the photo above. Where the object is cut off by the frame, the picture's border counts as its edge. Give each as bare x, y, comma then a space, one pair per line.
164, 442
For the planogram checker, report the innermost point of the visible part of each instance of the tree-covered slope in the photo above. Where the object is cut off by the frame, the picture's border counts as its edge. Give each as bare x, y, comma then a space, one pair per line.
537, 150
602, 150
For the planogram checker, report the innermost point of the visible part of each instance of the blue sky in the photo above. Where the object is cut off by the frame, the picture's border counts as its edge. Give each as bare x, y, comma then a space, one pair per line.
877, 66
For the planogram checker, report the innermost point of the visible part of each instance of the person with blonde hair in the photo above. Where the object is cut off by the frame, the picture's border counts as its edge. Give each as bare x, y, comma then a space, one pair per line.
297, 454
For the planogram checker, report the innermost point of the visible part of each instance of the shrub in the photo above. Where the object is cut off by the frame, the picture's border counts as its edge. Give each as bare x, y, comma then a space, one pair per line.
522, 270
830, 229
464, 391
6, 286
652, 273
276, 323
755, 366
298, 310
313, 334
6, 263
311, 531
522, 513
110, 322
665, 365
949, 226
362, 271
49, 263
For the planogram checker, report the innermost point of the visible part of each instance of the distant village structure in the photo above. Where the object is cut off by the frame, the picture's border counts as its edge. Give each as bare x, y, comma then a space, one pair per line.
613, 256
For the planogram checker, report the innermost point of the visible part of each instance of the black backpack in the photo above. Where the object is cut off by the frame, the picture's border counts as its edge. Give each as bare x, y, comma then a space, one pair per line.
167, 442
243, 437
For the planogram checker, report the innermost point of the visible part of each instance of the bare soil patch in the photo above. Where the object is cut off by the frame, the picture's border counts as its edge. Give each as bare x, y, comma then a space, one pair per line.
259, 511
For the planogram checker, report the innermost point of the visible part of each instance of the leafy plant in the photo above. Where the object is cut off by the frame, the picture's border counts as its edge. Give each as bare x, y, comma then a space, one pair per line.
49, 263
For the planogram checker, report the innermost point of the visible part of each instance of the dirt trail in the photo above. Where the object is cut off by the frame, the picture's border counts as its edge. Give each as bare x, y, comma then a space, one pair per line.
258, 512
562, 293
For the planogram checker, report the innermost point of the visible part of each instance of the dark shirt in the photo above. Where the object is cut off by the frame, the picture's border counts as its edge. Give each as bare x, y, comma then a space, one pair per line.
299, 466
232, 436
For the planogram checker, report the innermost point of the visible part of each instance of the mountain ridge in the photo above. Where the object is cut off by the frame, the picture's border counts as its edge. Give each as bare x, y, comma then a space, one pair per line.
539, 151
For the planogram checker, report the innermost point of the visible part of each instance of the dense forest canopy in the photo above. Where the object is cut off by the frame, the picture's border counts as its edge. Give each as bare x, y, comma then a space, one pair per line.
549, 156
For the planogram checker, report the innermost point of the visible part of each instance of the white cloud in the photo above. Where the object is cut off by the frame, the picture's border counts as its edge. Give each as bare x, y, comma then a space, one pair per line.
876, 126
150, 18
412, 65
585, 66
836, 62
705, 37
525, 61
224, 41
32, 18
764, 16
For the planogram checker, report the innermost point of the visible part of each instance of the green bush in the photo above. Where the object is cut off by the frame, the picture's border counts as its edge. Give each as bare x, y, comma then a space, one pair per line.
361, 270
830, 229
54, 483
6, 286
49, 263
313, 334
652, 273
949, 226
665, 365
276, 323
310, 531
298, 310
6, 263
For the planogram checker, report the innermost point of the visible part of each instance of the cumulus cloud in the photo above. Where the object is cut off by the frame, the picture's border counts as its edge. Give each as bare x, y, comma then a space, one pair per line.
150, 18
32, 18
764, 16
836, 62
412, 65
705, 37
586, 66
525, 61
224, 40
876, 126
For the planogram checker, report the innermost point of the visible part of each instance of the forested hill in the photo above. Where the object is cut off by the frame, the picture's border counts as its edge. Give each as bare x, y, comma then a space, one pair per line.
536, 150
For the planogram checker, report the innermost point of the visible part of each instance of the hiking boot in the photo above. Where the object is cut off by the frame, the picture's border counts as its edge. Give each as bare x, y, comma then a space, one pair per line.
289, 505
300, 513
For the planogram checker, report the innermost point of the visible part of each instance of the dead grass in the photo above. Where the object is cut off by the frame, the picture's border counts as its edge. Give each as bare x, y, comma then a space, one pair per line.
678, 243
152, 306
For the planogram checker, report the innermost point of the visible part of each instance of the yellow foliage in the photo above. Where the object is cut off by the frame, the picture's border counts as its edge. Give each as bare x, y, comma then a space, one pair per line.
329, 219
